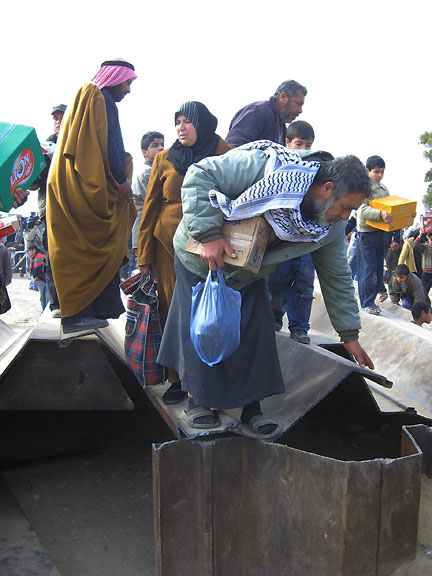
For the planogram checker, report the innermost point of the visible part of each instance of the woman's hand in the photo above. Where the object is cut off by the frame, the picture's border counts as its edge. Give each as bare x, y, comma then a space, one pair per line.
212, 253
354, 348
146, 270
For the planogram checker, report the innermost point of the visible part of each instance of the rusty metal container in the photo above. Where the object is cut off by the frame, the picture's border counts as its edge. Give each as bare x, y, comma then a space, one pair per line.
337, 493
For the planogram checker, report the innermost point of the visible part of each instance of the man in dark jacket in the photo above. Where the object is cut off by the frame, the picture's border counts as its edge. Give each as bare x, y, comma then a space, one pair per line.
266, 120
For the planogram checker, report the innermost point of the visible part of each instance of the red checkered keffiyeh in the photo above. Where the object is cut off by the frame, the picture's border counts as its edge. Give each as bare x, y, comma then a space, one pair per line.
113, 73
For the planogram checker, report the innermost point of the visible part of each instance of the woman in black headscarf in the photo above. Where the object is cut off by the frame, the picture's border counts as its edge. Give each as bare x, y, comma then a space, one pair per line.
162, 210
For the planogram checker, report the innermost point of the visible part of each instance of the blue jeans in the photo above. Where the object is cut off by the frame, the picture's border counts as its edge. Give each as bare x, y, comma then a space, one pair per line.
370, 253
127, 269
43, 293
407, 301
293, 282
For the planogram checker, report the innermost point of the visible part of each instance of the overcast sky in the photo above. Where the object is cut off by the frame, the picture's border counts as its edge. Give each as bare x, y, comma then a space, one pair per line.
366, 66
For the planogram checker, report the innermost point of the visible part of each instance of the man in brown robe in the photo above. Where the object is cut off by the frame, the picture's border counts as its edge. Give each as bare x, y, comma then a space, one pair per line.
90, 212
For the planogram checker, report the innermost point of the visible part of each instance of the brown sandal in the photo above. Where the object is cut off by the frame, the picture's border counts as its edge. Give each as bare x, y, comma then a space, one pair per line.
375, 311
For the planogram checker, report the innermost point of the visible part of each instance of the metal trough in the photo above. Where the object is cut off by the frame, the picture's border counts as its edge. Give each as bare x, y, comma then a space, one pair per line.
41, 371
337, 493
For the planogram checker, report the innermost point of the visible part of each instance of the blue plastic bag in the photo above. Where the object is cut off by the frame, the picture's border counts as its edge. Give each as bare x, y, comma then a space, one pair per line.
215, 319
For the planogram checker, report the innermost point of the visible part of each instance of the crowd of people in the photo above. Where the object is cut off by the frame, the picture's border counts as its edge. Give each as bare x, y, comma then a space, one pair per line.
99, 227
378, 258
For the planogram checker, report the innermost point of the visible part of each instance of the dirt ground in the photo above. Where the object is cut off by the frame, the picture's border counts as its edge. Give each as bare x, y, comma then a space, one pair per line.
91, 506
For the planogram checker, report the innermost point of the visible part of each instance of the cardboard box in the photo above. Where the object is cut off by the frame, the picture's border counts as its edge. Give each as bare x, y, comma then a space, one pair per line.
396, 224
8, 226
21, 161
403, 211
248, 238
395, 205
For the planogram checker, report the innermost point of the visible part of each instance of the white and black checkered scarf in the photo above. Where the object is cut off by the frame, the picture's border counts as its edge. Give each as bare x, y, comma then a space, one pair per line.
277, 196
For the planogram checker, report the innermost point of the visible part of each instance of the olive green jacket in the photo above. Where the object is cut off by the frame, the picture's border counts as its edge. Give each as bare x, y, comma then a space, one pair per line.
232, 173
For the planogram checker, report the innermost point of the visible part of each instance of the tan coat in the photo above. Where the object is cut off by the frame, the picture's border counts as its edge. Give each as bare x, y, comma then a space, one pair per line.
162, 209
161, 215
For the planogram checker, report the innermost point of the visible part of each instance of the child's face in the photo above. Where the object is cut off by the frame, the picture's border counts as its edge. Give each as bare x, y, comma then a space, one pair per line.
376, 174
427, 316
299, 143
402, 278
155, 146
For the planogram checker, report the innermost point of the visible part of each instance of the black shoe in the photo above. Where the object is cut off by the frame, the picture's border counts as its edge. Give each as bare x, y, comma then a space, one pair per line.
278, 314
300, 335
174, 394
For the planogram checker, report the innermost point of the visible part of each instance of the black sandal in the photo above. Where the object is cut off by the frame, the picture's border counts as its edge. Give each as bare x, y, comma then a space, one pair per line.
258, 423
174, 394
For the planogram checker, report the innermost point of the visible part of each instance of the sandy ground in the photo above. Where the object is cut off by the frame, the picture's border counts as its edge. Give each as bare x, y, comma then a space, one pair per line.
26, 308
92, 507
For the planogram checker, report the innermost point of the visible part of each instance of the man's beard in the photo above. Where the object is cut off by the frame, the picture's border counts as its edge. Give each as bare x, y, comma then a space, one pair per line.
117, 92
319, 209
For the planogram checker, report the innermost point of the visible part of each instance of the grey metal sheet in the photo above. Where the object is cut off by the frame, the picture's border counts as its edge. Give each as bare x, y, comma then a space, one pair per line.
12, 347
113, 337
283, 511
47, 377
310, 373
6, 334
405, 361
422, 435
399, 511
48, 328
277, 510
183, 514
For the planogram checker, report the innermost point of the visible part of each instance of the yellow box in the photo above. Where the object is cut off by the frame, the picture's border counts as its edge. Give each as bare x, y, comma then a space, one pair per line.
396, 224
395, 205
248, 238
